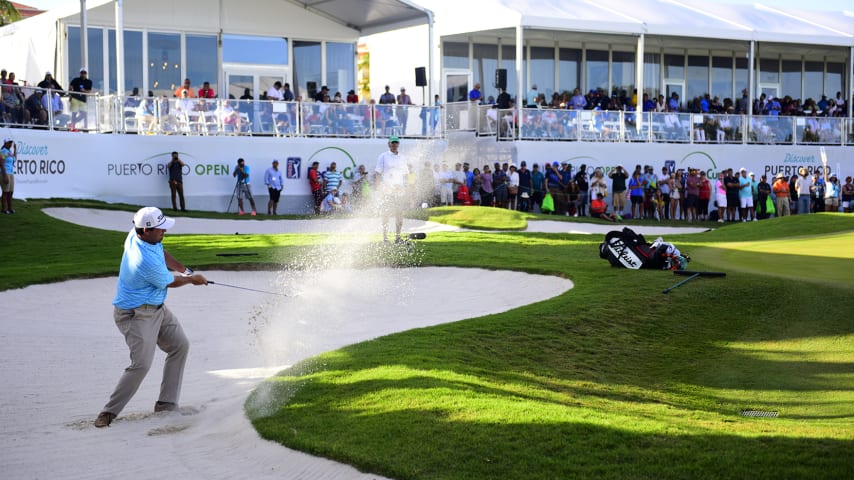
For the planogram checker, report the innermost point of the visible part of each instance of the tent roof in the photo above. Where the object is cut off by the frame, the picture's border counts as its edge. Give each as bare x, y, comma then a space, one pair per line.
368, 16
675, 18
364, 16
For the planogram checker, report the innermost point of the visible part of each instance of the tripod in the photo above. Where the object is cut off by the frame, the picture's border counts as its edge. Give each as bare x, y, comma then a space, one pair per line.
233, 194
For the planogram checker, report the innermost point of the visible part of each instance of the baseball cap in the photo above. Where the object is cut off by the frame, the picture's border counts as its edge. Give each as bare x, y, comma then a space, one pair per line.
83, 70
555, 164
524, 163
48, 73
393, 139
751, 174
7, 140
152, 217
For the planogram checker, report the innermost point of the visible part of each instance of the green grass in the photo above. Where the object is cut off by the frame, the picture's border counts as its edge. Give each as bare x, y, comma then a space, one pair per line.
610, 380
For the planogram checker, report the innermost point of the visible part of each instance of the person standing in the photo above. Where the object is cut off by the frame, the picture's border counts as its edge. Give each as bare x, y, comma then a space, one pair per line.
763, 189
143, 318
804, 185
316, 185
81, 86
273, 180
720, 196
392, 172
8, 155
244, 188
618, 186
403, 110
526, 187
176, 180
745, 197
781, 191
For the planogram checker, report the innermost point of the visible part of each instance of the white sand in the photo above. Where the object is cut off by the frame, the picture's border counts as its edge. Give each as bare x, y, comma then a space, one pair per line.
62, 356
121, 221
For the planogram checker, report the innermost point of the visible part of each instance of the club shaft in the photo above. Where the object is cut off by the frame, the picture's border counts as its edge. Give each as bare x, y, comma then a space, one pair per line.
246, 288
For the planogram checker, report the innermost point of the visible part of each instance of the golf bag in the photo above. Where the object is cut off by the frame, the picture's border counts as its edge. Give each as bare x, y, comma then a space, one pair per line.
628, 249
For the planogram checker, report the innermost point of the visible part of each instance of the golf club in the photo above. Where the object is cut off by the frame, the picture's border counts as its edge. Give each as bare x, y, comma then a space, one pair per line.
249, 289
691, 274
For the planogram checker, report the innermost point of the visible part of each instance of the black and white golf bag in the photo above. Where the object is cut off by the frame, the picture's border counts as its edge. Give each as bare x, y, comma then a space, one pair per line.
628, 249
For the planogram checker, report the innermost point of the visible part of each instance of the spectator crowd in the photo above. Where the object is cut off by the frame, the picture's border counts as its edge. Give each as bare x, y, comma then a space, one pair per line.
691, 195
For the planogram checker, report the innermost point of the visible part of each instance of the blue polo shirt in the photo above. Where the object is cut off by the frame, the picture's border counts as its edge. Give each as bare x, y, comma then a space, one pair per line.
8, 160
143, 275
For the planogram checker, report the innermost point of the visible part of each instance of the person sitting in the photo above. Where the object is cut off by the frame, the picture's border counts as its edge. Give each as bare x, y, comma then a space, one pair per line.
598, 209
36, 109
331, 203
206, 91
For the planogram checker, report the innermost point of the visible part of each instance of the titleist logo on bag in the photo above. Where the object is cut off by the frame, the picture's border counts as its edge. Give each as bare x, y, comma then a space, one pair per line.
624, 254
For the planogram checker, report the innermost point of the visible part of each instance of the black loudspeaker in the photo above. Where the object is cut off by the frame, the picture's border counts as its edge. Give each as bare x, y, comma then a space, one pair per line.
312, 90
420, 76
501, 78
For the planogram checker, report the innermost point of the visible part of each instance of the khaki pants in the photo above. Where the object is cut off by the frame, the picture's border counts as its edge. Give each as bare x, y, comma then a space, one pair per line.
144, 328
782, 205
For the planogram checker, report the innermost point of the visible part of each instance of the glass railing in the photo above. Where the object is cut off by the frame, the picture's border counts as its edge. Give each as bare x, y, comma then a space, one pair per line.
658, 127
32, 107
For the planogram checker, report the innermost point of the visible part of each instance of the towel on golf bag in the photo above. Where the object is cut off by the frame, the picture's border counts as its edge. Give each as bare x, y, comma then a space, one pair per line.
628, 249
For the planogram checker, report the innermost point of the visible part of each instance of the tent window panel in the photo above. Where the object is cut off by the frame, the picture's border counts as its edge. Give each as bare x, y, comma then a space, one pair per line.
307, 68
674, 67
813, 80
722, 78
202, 61
741, 76
95, 66
133, 62
652, 74
597, 70
485, 63
769, 71
697, 84
254, 50
543, 70
569, 69
622, 73
508, 62
835, 79
791, 81
340, 69
164, 63
455, 55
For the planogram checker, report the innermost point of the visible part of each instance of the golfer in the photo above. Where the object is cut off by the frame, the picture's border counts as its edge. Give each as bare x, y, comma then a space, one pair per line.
392, 173
141, 316
244, 190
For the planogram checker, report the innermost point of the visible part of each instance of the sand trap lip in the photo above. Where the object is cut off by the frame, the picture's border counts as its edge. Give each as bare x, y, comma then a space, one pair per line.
62, 356
121, 221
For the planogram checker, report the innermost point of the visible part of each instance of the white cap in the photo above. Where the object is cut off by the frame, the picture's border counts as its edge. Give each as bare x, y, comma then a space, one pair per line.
8, 139
152, 217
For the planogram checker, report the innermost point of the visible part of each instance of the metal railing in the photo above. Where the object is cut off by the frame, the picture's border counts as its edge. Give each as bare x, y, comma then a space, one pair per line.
664, 127
33, 107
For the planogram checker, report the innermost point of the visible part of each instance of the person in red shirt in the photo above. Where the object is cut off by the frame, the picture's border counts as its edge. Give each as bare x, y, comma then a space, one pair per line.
705, 196
598, 209
316, 186
206, 91
352, 97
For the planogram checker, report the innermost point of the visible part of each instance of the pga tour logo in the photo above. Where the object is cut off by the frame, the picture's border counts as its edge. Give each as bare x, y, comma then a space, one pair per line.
624, 254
